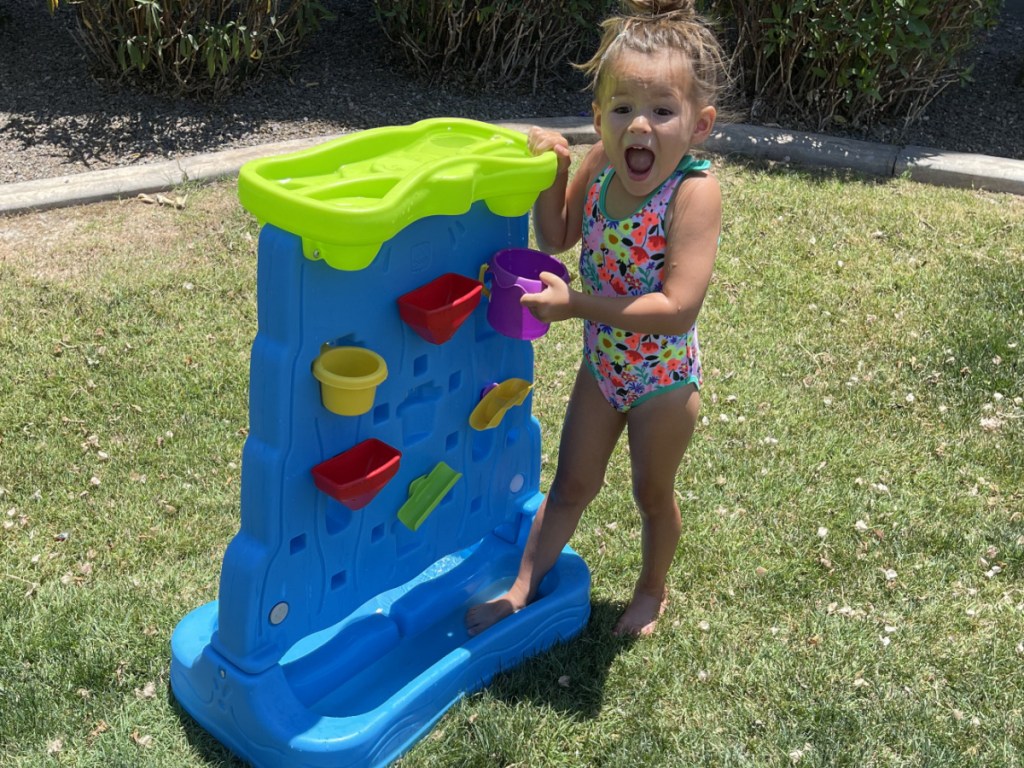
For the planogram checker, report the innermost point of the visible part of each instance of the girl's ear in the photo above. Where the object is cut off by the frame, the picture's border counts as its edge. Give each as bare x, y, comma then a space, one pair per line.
597, 117
704, 124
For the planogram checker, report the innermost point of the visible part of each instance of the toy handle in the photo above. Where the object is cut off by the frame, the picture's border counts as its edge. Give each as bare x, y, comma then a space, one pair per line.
483, 271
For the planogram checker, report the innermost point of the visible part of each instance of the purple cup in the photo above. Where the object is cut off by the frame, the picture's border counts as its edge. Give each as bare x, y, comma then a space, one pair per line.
514, 273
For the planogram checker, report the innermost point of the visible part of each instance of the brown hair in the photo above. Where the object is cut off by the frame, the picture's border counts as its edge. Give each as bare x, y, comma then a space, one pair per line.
650, 26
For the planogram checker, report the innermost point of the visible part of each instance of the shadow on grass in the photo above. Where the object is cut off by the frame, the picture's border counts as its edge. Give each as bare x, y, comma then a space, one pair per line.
975, 349
201, 742
571, 677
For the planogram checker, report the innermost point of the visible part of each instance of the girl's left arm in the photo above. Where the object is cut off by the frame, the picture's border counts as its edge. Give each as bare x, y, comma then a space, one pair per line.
692, 229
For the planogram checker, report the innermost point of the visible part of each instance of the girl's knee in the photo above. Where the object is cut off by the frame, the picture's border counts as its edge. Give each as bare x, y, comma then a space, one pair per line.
574, 490
654, 501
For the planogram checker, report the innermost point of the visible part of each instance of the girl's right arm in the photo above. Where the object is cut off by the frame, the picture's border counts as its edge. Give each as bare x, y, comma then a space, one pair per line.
558, 212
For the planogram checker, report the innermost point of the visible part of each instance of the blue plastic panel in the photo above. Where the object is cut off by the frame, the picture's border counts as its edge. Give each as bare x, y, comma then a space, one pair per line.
297, 545
338, 637
359, 694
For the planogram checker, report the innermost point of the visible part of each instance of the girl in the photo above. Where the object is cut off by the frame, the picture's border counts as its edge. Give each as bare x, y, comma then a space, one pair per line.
649, 216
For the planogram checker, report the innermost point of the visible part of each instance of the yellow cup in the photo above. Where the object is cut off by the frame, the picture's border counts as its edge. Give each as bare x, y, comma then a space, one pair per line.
349, 377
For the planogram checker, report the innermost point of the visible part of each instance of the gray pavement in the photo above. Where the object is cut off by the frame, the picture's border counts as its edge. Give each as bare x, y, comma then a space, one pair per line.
931, 166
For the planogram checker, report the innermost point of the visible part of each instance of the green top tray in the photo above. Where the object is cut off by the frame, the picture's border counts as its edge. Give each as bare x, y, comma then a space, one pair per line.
347, 196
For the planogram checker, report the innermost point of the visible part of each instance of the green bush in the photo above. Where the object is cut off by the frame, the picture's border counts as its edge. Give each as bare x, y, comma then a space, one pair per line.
500, 43
197, 48
854, 62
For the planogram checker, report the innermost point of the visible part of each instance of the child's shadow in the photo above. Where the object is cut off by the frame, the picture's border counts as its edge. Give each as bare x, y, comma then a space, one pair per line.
571, 676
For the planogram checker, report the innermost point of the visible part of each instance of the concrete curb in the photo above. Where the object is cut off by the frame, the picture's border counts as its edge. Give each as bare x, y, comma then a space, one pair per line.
815, 150
930, 166
957, 169
113, 183
805, 149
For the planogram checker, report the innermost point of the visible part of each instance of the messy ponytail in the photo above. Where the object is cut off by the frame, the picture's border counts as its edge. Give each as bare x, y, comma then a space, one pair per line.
683, 8
652, 26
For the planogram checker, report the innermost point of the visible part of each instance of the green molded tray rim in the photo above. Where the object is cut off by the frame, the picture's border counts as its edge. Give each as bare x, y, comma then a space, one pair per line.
347, 232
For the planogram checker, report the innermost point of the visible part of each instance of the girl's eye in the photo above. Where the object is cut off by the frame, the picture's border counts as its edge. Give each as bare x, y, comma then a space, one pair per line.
621, 109
664, 112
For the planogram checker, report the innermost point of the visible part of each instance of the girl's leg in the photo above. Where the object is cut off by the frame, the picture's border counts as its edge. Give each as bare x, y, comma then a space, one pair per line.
591, 429
659, 433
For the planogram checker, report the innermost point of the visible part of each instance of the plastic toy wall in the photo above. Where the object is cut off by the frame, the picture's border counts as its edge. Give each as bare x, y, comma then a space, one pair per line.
368, 528
297, 546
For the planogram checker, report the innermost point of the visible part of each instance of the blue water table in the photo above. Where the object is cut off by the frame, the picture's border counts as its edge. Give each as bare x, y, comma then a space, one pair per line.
392, 466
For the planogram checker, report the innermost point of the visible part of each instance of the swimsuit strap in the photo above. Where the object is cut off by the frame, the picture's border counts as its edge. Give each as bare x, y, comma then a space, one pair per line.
689, 164
663, 194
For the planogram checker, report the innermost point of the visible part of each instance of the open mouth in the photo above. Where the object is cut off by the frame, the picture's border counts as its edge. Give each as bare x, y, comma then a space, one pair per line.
639, 161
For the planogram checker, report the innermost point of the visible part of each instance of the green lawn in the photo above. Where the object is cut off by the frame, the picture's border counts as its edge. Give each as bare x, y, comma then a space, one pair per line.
848, 589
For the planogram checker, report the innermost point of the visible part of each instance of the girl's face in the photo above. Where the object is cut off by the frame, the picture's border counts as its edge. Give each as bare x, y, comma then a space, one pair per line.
647, 118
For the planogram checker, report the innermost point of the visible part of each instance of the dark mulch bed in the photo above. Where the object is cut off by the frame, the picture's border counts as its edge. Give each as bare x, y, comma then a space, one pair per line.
56, 120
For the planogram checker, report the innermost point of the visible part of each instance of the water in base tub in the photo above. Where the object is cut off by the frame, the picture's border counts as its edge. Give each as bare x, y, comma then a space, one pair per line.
406, 661
391, 659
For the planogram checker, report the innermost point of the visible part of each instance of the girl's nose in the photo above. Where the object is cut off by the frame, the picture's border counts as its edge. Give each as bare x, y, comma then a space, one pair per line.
639, 124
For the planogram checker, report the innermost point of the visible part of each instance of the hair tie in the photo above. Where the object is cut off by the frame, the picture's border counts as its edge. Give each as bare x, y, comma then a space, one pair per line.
690, 14
663, 10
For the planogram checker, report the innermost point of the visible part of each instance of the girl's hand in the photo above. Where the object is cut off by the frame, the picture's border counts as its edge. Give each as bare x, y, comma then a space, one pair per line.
552, 304
540, 140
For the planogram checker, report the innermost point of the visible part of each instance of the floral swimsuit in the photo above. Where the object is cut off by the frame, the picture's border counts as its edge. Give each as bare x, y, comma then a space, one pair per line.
626, 257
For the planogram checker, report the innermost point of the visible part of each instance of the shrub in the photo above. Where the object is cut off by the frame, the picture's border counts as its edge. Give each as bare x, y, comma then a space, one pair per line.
197, 48
854, 62
499, 43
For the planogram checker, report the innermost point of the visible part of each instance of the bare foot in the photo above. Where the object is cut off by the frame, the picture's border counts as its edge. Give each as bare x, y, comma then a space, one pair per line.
484, 615
641, 615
